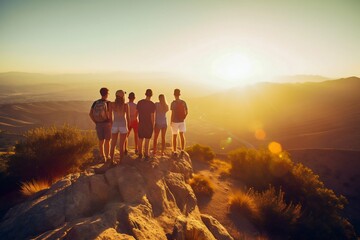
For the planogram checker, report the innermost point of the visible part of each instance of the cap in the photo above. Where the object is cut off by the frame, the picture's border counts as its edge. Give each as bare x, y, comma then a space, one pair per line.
148, 92
104, 91
131, 95
177, 92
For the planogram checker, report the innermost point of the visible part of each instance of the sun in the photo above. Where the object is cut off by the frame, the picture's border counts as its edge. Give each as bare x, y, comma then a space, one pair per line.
232, 67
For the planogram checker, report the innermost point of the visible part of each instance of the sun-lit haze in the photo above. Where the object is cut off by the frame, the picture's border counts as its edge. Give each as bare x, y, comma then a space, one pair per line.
220, 42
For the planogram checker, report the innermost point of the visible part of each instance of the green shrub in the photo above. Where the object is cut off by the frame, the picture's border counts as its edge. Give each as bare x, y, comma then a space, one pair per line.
322, 209
48, 153
202, 153
243, 204
259, 168
267, 210
276, 216
202, 186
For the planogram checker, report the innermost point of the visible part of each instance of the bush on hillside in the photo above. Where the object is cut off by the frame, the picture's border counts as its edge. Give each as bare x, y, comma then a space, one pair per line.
48, 153
259, 168
243, 205
267, 210
200, 152
7, 181
322, 209
31, 187
202, 186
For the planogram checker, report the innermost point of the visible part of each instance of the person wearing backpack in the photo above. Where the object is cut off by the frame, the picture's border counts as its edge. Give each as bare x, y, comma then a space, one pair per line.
179, 111
100, 115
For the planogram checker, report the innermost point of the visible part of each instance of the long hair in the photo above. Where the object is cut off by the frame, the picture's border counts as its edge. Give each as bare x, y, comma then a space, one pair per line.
163, 103
119, 102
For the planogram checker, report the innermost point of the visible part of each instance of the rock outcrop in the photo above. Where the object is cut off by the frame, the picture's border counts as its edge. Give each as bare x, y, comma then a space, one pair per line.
135, 200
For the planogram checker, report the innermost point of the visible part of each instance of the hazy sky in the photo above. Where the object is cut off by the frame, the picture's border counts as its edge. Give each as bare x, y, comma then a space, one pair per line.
221, 39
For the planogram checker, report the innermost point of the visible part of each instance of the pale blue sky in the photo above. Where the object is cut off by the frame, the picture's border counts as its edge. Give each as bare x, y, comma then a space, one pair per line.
197, 38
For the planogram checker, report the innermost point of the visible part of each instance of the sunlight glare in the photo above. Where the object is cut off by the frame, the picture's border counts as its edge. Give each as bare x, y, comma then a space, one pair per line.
232, 66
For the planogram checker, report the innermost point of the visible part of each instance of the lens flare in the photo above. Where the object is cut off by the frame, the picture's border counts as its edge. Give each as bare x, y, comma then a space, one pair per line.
224, 143
260, 134
275, 147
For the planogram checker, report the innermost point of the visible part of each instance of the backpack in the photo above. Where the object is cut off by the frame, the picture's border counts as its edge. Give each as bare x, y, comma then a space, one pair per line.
180, 110
100, 111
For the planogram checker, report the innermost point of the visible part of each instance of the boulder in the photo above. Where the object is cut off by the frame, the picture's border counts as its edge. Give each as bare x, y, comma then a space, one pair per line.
135, 200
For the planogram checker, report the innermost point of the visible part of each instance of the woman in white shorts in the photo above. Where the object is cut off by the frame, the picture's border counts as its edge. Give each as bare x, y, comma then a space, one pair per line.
161, 108
119, 111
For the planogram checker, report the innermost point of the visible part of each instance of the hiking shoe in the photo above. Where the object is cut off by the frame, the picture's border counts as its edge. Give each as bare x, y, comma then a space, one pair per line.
174, 154
126, 152
136, 151
147, 158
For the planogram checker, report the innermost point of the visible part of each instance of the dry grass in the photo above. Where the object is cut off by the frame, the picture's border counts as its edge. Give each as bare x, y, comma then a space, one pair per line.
202, 186
222, 167
31, 187
243, 204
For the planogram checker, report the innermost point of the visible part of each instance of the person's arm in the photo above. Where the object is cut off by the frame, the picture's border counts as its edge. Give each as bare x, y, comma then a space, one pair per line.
110, 115
153, 115
186, 109
172, 112
153, 119
91, 114
166, 108
127, 114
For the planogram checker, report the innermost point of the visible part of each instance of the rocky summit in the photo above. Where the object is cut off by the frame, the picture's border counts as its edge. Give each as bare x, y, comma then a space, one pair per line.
135, 200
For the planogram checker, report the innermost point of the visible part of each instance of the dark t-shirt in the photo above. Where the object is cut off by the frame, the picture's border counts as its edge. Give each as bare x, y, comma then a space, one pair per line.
176, 118
145, 109
107, 104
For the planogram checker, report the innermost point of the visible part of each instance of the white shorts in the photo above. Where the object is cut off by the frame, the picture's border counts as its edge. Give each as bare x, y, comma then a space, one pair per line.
178, 127
121, 130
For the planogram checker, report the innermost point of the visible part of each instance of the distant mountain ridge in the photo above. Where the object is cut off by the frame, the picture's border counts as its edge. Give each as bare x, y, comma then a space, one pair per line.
297, 115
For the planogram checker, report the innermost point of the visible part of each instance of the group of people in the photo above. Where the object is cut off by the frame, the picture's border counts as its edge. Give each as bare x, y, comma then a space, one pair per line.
145, 119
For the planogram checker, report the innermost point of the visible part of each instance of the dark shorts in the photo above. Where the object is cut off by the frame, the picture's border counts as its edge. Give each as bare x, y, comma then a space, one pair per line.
145, 131
103, 130
160, 125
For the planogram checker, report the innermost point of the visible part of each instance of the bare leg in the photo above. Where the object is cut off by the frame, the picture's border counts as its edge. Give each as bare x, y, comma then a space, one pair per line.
107, 147
182, 140
174, 138
126, 141
163, 143
122, 145
136, 139
147, 144
156, 135
101, 148
140, 146
114, 138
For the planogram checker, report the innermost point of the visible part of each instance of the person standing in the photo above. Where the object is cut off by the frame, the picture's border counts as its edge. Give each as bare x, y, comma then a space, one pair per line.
160, 122
146, 110
119, 112
100, 115
179, 112
133, 124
